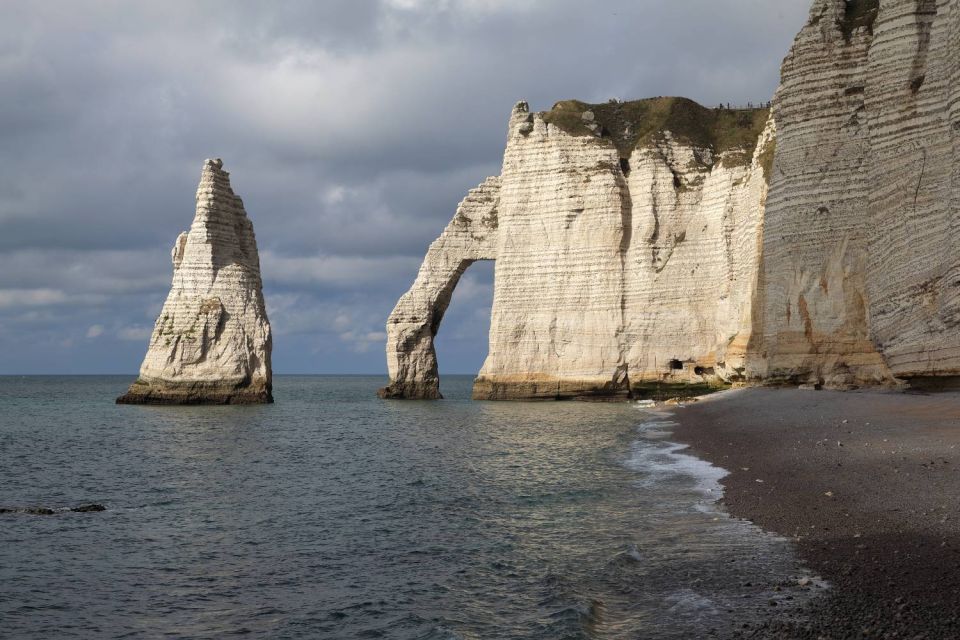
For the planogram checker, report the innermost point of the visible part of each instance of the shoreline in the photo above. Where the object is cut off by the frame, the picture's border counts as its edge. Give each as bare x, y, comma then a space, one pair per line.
864, 483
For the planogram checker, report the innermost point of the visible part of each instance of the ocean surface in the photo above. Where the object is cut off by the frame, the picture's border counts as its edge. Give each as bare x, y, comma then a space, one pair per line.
333, 514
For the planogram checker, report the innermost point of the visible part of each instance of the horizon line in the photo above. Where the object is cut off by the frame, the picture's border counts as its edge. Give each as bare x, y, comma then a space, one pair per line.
383, 374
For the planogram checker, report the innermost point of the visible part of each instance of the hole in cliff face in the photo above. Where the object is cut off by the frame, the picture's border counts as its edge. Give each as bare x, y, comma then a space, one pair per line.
625, 166
461, 342
916, 83
676, 365
704, 371
858, 14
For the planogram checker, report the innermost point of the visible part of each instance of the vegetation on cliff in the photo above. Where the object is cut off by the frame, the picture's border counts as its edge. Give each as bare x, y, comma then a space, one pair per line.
767, 154
628, 125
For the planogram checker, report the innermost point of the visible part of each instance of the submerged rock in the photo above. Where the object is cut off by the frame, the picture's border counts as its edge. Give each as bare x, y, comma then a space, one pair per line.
212, 341
89, 508
46, 511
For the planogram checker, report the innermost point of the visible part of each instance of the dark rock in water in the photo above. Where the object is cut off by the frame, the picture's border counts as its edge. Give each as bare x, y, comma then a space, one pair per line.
35, 511
44, 511
88, 508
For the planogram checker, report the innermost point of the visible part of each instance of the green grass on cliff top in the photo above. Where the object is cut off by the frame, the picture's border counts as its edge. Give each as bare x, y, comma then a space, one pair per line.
637, 123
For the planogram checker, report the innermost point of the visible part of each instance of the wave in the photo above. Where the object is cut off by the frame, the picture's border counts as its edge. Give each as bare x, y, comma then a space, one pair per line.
658, 460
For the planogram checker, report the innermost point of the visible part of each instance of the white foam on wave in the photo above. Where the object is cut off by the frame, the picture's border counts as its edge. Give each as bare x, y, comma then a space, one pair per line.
657, 459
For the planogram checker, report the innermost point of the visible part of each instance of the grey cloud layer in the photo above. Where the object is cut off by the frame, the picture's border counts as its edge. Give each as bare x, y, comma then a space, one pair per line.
351, 128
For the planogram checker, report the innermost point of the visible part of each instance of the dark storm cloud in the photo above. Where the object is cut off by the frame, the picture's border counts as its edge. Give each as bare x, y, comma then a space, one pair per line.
352, 128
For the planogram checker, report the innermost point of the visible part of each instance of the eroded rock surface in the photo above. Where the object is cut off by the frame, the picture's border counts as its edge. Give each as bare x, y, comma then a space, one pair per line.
638, 245
624, 264
470, 236
860, 278
625, 244
212, 341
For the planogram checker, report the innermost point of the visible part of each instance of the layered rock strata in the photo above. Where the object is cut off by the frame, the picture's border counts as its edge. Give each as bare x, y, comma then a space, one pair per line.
212, 341
637, 243
860, 282
471, 235
625, 237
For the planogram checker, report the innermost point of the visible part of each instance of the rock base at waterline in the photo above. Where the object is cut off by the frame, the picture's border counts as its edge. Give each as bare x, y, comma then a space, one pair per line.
196, 394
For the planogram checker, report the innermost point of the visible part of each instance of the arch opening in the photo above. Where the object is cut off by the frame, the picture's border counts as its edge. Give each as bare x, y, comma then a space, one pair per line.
415, 321
463, 342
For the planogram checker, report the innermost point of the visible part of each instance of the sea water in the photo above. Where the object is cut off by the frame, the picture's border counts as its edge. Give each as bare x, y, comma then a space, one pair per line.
333, 514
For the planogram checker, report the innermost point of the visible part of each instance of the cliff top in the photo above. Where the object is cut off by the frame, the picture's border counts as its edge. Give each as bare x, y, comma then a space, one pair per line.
635, 123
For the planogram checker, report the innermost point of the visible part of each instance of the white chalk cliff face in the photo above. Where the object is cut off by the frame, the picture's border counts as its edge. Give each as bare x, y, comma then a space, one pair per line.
625, 254
637, 243
470, 236
212, 341
860, 279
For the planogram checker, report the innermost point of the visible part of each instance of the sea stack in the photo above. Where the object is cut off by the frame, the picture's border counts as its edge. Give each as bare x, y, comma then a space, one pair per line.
212, 341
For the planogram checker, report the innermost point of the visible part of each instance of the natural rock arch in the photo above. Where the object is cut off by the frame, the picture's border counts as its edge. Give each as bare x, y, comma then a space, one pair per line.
812, 244
580, 309
411, 328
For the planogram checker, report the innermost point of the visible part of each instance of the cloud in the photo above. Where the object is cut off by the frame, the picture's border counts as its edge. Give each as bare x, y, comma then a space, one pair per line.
362, 342
95, 331
101, 272
352, 128
19, 298
334, 272
135, 333
23, 299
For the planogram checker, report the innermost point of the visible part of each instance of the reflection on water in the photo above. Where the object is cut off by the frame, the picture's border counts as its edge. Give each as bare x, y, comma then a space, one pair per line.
334, 514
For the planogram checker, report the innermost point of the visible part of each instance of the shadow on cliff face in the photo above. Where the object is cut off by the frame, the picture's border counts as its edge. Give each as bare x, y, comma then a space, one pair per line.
859, 14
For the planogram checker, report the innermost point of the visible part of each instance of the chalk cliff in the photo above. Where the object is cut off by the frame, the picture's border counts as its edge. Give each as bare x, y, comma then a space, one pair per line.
860, 282
658, 242
626, 240
470, 236
212, 341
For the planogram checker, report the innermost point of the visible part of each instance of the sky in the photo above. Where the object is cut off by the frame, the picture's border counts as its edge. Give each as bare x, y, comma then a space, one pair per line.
351, 129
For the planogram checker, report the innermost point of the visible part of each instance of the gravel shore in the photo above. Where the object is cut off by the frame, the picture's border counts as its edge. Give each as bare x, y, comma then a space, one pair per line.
866, 483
